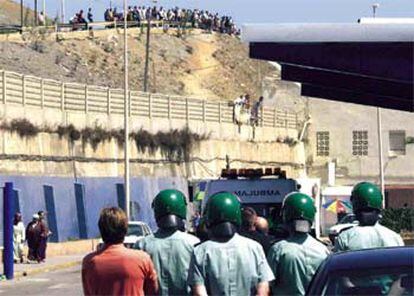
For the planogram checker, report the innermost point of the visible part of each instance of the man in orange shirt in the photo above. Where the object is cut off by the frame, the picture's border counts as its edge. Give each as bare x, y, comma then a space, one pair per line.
116, 270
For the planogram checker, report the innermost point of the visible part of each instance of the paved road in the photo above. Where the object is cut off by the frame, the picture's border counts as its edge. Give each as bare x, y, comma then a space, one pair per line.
62, 282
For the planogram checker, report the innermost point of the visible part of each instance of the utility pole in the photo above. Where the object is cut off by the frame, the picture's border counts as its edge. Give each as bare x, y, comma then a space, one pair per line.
22, 14
126, 115
35, 13
147, 47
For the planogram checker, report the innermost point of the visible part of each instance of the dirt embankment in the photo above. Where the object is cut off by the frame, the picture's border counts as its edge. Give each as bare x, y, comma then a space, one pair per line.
201, 65
10, 13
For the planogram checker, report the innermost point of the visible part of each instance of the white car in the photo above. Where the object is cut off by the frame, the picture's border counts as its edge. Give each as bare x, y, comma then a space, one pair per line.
345, 223
137, 230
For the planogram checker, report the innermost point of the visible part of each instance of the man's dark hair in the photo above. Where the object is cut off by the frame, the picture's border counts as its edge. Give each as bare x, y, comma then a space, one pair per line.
113, 225
248, 218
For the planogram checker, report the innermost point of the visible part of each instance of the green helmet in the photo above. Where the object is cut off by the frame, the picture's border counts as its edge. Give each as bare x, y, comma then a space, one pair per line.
223, 207
298, 206
366, 195
170, 202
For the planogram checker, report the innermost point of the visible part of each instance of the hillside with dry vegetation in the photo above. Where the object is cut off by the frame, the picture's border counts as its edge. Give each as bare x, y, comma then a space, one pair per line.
195, 64
10, 13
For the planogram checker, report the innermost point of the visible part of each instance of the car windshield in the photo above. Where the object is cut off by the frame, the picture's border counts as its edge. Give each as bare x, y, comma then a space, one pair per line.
137, 230
392, 281
347, 219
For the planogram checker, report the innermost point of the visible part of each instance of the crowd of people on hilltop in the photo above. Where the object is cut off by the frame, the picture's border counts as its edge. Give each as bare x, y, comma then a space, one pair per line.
80, 19
196, 18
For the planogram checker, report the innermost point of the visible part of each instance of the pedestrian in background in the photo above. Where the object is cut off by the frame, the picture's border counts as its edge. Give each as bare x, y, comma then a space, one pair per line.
19, 236
248, 228
114, 269
90, 15
170, 211
33, 239
44, 235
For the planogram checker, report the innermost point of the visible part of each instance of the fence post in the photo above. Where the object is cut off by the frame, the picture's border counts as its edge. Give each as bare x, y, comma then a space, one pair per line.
187, 112
261, 116
286, 119
204, 110
150, 105
42, 94
129, 102
86, 99
169, 107
219, 112
62, 96
108, 100
296, 120
24, 90
4, 87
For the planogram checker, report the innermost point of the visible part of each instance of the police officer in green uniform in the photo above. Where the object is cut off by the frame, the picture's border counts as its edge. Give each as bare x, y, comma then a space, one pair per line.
170, 247
227, 263
366, 201
294, 260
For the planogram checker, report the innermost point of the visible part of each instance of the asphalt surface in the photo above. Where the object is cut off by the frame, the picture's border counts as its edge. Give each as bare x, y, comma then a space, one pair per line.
61, 282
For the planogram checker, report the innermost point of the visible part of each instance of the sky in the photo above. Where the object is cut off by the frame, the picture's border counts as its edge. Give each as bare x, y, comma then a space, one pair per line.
254, 11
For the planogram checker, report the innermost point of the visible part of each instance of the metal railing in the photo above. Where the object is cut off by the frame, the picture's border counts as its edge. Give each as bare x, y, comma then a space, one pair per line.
73, 97
67, 27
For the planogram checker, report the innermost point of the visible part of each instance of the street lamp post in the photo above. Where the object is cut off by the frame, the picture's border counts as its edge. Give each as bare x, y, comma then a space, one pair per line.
380, 156
126, 114
44, 12
62, 11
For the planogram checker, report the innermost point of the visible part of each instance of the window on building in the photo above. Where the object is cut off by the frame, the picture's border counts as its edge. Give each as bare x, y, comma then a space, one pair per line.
360, 143
397, 142
322, 143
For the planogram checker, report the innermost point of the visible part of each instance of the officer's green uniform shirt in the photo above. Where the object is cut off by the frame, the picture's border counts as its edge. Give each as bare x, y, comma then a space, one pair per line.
171, 255
294, 261
234, 267
366, 237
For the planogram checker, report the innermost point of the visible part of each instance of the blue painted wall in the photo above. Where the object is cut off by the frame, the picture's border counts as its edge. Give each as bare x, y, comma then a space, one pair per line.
99, 193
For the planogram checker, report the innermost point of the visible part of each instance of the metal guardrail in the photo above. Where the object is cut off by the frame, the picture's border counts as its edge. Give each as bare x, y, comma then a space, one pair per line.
67, 27
28, 90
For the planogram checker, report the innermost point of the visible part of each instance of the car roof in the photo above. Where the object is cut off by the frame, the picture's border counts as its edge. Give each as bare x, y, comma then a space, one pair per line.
372, 258
136, 223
